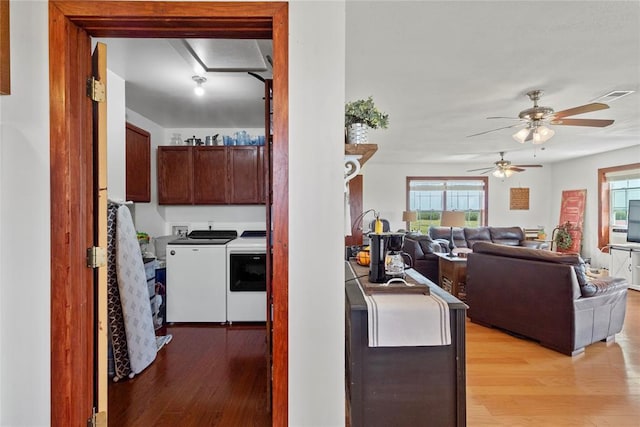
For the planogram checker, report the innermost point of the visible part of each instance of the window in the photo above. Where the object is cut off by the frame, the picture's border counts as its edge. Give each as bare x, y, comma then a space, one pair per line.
429, 196
621, 191
617, 186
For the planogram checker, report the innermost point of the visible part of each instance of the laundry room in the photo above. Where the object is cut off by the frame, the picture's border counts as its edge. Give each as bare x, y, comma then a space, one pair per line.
188, 131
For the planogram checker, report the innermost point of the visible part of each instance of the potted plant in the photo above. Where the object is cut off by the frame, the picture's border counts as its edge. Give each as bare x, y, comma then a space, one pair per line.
542, 235
359, 116
563, 239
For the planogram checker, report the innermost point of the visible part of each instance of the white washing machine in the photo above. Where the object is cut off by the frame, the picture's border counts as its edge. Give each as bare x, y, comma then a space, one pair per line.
247, 278
196, 278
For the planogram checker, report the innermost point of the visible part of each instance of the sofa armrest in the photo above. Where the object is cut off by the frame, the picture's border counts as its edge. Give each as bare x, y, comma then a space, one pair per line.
443, 245
604, 285
534, 244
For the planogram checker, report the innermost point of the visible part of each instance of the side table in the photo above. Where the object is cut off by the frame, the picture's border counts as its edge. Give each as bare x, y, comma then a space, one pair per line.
452, 275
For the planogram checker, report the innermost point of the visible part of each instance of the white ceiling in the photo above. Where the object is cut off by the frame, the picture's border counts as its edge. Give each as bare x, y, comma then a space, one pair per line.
438, 68
159, 85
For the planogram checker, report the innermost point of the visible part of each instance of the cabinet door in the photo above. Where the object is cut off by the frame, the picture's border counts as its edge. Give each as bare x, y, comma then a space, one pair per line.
210, 180
243, 170
621, 264
263, 169
635, 267
175, 176
138, 164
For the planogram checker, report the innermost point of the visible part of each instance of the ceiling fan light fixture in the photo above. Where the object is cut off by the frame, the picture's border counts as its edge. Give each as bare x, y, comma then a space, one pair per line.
521, 135
542, 134
502, 173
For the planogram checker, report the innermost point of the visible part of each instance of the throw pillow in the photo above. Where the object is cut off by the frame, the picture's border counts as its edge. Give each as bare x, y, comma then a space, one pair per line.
587, 288
427, 244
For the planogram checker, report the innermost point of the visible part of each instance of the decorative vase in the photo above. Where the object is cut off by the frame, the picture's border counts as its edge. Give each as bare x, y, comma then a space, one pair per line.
357, 133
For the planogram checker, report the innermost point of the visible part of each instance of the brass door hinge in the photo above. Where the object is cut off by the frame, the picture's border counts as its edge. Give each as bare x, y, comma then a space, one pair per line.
96, 257
98, 419
95, 90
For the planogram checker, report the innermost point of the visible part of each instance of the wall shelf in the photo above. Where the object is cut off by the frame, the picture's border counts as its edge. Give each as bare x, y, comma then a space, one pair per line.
364, 150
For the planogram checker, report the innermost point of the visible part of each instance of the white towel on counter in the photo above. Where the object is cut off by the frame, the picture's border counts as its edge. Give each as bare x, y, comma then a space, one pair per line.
407, 320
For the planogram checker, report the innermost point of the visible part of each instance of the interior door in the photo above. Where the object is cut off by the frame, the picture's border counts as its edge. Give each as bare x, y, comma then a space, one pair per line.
268, 201
99, 68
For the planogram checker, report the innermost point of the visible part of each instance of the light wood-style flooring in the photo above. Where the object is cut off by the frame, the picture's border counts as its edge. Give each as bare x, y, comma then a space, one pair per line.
216, 376
515, 382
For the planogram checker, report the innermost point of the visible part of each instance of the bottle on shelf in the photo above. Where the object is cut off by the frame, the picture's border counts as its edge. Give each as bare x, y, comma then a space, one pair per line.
378, 225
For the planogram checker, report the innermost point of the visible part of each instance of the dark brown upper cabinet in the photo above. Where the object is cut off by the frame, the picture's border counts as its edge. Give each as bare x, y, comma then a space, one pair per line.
243, 174
175, 175
210, 181
205, 175
138, 164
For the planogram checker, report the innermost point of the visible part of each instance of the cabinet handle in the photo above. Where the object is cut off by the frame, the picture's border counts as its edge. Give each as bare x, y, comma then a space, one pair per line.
172, 252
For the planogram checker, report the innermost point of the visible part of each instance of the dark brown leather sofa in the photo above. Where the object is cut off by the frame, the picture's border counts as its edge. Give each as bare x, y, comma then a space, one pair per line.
543, 295
421, 248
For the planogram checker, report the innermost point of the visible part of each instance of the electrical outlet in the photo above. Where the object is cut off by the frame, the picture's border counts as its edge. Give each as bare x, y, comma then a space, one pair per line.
180, 230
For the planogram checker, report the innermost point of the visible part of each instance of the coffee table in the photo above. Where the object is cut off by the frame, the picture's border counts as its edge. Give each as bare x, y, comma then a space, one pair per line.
452, 275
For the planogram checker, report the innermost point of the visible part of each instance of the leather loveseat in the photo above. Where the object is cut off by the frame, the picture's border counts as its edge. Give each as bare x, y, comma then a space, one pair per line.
422, 248
543, 295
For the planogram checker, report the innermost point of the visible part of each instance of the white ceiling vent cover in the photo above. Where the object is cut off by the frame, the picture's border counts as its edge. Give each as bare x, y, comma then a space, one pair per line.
613, 96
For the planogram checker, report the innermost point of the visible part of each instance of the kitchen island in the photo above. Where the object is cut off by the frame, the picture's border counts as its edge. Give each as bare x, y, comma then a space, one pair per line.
403, 386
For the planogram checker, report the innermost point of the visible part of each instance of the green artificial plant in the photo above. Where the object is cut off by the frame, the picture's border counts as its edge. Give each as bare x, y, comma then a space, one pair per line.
563, 238
365, 111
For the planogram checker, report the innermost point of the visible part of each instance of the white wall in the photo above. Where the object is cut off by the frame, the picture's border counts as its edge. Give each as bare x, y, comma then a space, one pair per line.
385, 190
24, 223
116, 137
581, 174
1, 269
316, 163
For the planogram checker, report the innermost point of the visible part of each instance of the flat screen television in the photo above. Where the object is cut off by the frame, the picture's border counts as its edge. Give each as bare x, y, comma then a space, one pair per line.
633, 221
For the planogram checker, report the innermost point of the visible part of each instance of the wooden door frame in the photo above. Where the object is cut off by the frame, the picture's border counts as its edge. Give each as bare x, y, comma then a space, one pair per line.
71, 24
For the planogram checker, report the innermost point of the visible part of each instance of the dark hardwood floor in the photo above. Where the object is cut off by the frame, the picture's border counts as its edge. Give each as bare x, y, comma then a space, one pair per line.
208, 375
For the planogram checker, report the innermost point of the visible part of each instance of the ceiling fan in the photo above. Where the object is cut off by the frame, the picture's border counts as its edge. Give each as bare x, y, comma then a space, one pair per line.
536, 120
503, 168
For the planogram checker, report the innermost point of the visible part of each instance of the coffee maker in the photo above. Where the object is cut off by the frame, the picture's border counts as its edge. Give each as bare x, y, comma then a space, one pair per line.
380, 243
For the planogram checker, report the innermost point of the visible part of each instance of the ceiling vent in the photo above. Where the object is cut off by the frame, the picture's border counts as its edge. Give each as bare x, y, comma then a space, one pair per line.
613, 96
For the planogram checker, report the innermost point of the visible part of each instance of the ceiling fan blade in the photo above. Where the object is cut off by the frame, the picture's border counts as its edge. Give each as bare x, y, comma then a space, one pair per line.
501, 117
493, 130
587, 108
598, 123
514, 169
527, 166
481, 169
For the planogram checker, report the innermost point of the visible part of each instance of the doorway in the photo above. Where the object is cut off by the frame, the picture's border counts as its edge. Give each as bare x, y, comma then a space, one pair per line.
71, 24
